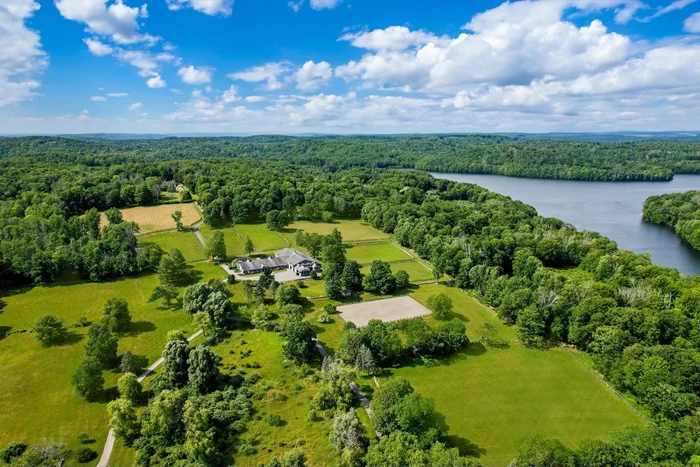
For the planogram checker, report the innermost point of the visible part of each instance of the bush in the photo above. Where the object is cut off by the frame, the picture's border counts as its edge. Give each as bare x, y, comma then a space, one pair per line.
402, 279
12, 451
324, 318
274, 420
231, 279
86, 455
84, 438
312, 416
330, 309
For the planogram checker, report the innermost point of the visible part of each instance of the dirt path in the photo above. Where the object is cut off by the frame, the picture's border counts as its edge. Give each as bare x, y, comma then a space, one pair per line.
109, 444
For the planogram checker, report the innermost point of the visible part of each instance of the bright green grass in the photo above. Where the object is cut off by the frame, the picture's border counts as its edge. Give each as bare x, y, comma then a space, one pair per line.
491, 398
234, 243
466, 308
36, 398
365, 254
263, 238
186, 242
416, 271
267, 351
350, 229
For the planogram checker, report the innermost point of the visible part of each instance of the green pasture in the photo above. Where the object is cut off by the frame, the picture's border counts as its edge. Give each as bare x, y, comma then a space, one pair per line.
493, 397
365, 254
37, 399
235, 245
186, 242
263, 238
351, 229
416, 271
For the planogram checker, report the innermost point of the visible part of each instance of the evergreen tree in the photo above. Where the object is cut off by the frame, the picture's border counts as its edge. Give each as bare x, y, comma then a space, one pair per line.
49, 330
101, 345
203, 372
88, 380
216, 248
116, 314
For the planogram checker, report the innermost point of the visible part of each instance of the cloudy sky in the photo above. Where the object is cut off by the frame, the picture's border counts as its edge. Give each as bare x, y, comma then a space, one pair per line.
348, 66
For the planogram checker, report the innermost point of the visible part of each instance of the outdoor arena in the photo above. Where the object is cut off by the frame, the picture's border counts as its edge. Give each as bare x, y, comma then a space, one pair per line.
390, 309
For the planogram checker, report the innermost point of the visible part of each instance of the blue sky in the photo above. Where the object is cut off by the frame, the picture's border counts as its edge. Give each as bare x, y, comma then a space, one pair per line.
348, 66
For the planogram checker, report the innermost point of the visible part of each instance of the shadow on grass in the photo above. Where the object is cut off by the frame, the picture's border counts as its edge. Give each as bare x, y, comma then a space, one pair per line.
71, 338
3, 331
139, 327
109, 394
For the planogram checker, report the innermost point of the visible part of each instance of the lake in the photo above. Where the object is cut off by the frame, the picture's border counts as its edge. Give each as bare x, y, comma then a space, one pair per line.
612, 208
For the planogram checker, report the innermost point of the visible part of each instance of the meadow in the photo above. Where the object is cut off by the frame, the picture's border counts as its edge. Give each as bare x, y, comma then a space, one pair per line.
415, 270
493, 397
365, 254
186, 242
157, 218
35, 392
351, 229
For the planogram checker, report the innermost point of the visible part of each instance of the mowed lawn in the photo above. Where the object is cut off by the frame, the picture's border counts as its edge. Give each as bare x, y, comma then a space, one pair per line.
234, 243
263, 238
186, 242
37, 400
351, 229
285, 394
415, 270
492, 398
365, 254
155, 218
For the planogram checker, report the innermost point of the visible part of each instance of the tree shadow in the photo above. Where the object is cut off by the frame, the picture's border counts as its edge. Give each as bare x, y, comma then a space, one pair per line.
3, 331
108, 394
139, 327
465, 447
3, 304
70, 338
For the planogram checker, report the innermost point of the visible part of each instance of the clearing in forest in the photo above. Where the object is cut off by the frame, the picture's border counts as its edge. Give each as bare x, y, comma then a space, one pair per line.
491, 398
156, 218
366, 253
389, 309
352, 230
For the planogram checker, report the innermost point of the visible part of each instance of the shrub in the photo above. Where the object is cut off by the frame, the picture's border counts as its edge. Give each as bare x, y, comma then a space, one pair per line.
86, 455
312, 416
84, 438
330, 309
324, 318
274, 420
12, 451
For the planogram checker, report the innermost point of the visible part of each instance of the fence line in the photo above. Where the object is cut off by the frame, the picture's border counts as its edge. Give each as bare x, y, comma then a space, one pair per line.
369, 241
396, 261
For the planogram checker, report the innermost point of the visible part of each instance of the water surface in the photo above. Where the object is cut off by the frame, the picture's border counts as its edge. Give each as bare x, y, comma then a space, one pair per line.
612, 208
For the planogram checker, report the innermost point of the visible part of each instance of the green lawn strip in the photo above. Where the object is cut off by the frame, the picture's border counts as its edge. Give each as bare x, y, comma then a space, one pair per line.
234, 243
329, 333
263, 238
493, 397
186, 242
288, 396
365, 254
35, 392
351, 229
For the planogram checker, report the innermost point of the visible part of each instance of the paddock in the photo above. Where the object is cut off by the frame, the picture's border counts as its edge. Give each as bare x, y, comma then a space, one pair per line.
387, 310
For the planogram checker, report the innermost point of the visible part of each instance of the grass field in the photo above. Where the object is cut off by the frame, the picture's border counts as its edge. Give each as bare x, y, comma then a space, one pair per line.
37, 399
416, 271
234, 243
365, 254
186, 242
491, 398
263, 239
288, 395
155, 218
350, 229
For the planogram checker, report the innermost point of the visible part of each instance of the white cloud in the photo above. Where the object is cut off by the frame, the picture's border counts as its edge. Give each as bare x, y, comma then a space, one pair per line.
692, 23
98, 98
156, 82
192, 75
254, 99
135, 106
114, 20
295, 5
324, 4
513, 43
98, 48
311, 76
209, 7
230, 95
391, 38
673, 6
117, 94
147, 63
21, 55
626, 13
268, 73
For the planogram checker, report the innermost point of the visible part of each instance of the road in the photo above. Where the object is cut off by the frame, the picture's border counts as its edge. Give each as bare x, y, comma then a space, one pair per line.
109, 444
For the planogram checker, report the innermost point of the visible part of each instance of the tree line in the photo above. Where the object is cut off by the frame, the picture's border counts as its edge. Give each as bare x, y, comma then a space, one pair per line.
680, 211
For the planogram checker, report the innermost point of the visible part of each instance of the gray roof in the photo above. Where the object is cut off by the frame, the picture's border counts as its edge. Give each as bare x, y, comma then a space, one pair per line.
293, 257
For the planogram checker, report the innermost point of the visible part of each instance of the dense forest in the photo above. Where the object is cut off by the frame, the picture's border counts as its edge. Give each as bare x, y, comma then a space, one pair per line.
639, 322
485, 154
680, 211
